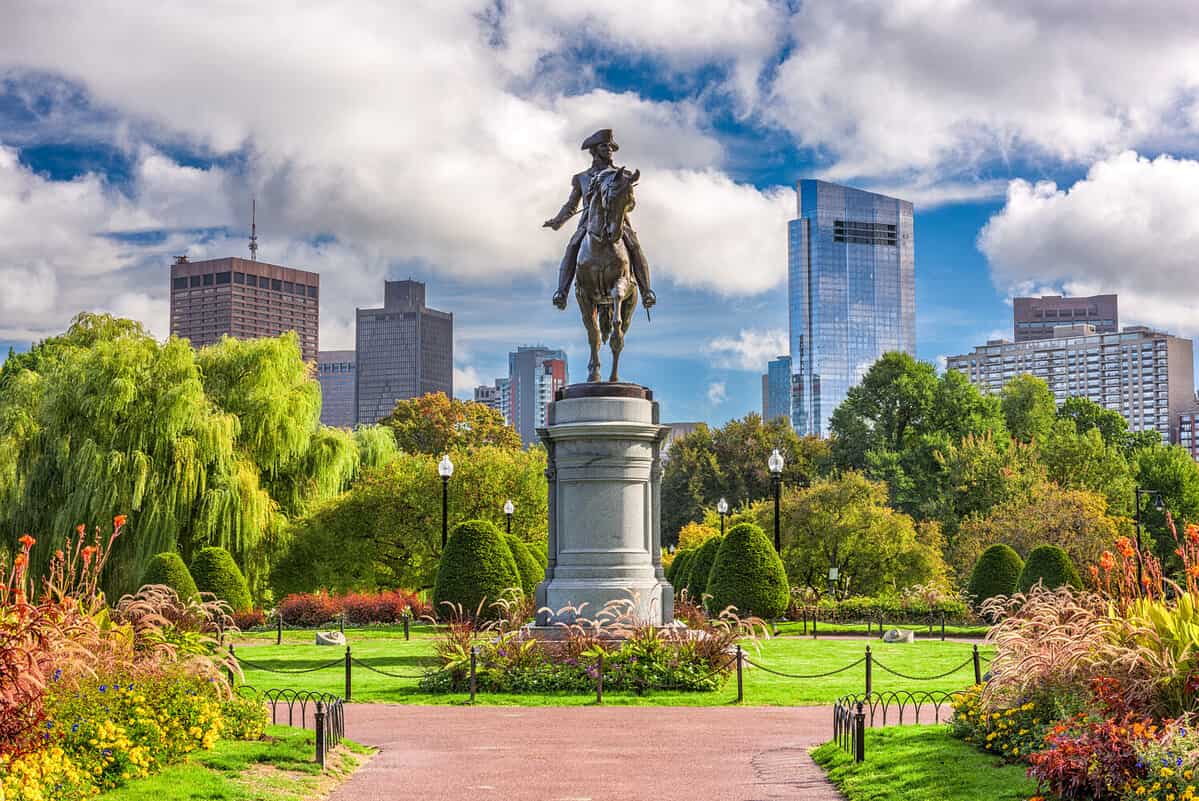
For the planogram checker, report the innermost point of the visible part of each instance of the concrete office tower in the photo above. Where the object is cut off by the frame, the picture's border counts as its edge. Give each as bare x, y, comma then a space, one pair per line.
1035, 318
531, 387
776, 400
244, 299
851, 293
404, 350
1147, 376
335, 370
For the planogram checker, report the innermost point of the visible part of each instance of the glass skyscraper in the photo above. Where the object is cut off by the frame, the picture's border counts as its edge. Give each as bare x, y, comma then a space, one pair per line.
776, 402
851, 293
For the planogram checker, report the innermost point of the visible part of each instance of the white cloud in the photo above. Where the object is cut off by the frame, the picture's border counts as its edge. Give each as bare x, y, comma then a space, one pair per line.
911, 87
465, 380
716, 393
1129, 227
749, 350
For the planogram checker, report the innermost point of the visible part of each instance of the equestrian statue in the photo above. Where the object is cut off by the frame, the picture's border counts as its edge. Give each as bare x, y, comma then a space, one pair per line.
603, 254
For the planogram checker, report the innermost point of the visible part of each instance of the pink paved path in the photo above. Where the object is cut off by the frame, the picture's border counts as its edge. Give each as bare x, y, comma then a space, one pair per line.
439, 753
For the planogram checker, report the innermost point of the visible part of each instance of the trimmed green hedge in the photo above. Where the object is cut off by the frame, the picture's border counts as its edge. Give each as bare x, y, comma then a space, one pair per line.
168, 568
1050, 565
215, 571
531, 571
476, 568
891, 609
997, 572
681, 568
748, 575
701, 569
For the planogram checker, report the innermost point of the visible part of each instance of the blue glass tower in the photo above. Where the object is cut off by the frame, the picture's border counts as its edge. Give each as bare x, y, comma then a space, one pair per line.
778, 389
851, 293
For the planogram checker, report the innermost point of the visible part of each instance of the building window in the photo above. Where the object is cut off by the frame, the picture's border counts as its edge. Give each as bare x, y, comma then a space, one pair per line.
223, 278
207, 279
179, 283
194, 281
276, 285
239, 278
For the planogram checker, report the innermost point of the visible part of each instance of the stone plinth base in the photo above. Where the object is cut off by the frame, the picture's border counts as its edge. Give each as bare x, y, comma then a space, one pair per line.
551, 634
603, 445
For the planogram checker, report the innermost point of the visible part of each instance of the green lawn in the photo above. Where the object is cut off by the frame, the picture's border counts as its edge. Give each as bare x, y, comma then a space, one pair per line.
909, 763
789, 655
279, 768
796, 628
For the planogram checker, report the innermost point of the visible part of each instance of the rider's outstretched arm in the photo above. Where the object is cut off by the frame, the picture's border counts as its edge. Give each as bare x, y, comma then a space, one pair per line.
569, 208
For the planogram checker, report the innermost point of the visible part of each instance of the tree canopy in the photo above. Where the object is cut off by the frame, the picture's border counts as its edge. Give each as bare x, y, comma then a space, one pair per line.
436, 424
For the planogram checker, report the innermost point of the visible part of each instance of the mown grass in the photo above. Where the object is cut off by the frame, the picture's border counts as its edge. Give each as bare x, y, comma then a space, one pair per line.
922, 763
278, 768
784, 654
797, 628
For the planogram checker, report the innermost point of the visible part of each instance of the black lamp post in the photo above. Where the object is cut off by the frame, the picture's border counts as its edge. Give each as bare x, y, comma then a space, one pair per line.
1158, 505
445, 469
722, 509
775, 463
509, 508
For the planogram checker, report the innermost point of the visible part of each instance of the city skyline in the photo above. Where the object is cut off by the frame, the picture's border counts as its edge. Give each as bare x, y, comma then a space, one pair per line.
114, 171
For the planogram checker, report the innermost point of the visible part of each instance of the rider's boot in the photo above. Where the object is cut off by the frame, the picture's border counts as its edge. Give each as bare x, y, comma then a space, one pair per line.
566, 275
640, 268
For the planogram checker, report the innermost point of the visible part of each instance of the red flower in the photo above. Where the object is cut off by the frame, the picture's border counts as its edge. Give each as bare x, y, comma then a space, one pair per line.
88, 553
80, 529
27, 540
119, 521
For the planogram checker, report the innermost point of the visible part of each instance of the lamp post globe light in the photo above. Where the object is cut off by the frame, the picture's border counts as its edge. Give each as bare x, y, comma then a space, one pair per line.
509, 508
775, 463
1159, 506
722, 508
445, 469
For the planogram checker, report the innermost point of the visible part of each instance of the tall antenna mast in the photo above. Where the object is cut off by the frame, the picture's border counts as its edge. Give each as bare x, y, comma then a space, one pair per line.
254, 229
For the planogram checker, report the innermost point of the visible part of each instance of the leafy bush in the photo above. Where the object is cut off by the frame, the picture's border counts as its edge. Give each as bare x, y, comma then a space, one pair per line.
309, 609
476, 569
531, 572
997, 572
748, 574
894, 609
701, 568
168, 569
676, 574
1012, 733
380, 607
250, 619
215, 571
1050, 565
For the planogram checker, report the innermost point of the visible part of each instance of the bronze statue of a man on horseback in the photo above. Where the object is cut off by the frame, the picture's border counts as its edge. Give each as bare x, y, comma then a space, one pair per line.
603, 258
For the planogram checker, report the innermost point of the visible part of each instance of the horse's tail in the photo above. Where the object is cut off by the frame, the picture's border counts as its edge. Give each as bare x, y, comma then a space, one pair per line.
605, 321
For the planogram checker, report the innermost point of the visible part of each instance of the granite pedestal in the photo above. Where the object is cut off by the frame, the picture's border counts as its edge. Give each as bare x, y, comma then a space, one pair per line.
604, 447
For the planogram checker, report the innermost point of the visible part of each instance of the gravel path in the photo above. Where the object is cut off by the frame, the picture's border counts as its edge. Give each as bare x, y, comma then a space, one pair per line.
437, 753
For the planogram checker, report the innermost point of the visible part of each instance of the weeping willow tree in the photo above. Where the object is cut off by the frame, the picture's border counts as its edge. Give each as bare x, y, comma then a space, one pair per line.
214, 448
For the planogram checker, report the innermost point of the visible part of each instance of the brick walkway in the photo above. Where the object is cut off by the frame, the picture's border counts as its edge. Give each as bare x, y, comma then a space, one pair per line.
437, 753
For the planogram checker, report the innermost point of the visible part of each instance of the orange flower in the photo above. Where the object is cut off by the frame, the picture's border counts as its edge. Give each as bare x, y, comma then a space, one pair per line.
119, 521
19, 561
88, 552
1124, 546
1193, 571
1107, 561
80, 529
1192, 532
27, 540
58, 554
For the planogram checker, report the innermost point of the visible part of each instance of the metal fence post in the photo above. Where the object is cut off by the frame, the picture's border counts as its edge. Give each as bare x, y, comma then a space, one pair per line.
815, 614
347, 673
859, 731
474, 658
942, 626
232, 662
341, 623
279, 627
406, 617
978, 668
740, 682
599, 679
869, 672
320, 734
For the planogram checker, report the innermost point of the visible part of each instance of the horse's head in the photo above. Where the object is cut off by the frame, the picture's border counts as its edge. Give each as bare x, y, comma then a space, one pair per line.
616, 200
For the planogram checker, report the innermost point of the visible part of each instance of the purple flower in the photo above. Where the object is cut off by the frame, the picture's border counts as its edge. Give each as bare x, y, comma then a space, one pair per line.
103, 688
58, 674
74, 728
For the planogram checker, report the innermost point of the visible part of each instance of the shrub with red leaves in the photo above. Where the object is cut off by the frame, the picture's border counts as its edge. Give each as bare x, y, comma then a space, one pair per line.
1093, 759
320, 608
249, 619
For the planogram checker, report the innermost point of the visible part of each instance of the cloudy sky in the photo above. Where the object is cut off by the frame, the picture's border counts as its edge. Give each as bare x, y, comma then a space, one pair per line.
1047, 147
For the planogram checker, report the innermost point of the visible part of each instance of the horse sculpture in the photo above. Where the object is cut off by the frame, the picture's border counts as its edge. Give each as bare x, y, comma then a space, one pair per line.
604, 287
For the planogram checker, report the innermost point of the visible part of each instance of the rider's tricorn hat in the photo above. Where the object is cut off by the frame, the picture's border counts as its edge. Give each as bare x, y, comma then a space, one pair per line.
604, 135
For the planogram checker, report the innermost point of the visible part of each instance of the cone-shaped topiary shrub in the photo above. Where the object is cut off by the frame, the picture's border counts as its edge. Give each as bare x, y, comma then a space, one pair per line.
531, 571
701, 568
748, 574
477, 566
681, 565
997, 572
215, 571
1050, 565
168, 568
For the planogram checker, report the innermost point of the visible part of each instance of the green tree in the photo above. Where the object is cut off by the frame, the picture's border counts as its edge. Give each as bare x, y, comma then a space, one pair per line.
476, 571
845, 522
531, 571
385, 532
1050, 565
215, 572
888, 408
748, 575
1086, 414
997, 572
1084, 460
981, 472
169, 569
435, 424
1170, 471
701, 569
1029, 408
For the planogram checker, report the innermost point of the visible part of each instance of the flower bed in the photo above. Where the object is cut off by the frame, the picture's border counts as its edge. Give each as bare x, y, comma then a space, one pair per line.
101, 696
1096, 692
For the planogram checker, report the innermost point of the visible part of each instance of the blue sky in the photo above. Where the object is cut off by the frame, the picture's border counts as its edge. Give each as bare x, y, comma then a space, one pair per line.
1045, 150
